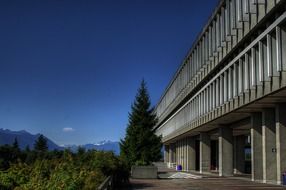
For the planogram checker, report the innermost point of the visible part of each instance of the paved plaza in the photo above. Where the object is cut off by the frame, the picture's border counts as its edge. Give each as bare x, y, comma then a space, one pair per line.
169, 179
210, 183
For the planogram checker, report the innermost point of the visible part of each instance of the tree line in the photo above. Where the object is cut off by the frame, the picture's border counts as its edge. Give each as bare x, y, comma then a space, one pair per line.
42, 169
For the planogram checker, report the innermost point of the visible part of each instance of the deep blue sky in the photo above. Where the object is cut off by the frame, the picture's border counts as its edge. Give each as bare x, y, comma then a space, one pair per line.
78, 64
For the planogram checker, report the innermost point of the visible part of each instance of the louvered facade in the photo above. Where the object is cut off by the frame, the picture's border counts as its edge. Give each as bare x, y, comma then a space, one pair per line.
224, 109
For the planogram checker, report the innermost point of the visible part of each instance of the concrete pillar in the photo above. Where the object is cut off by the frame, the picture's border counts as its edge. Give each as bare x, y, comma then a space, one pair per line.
166, 153
185, 154
178, 152
175, 153
239, 155
225, 141
256, 147
269, 146
171, 153
174, 157
180, 148
280, 140
191, 153
205, 152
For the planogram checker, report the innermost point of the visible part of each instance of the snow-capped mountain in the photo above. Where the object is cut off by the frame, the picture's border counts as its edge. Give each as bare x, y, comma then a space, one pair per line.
102, 145
27, 139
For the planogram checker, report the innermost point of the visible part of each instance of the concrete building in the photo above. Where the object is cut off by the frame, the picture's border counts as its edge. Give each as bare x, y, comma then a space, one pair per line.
224, 111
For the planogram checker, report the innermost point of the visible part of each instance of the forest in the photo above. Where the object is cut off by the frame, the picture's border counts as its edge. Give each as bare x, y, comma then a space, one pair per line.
42, 169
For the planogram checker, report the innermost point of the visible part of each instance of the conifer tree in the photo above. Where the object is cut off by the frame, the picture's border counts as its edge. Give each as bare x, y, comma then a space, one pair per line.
15, 151
41, 144
16, 144
141, 146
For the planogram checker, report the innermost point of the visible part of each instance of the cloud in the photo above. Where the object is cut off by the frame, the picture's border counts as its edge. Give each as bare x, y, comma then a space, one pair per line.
68, 129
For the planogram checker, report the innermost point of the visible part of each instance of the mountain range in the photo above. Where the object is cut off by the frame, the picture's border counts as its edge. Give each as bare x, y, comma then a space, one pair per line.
103, 145
25, 139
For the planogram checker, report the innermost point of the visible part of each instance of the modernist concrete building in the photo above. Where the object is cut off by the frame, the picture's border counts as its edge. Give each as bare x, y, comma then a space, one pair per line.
224, 110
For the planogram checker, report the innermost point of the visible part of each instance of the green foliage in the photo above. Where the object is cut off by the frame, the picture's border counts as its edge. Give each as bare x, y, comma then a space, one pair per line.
8, 154
59, 169
141, 145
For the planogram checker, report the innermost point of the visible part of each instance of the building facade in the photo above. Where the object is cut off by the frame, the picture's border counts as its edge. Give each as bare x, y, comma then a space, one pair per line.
224, 110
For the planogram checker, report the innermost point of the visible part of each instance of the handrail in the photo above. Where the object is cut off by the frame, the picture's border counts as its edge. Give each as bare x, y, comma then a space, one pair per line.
107, 184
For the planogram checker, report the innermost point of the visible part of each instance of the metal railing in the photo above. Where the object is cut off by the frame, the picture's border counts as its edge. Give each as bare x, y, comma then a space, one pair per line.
107, 184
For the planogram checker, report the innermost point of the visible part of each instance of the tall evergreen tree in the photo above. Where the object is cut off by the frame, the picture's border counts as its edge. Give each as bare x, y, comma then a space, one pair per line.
41, 144
141, 145
16, 144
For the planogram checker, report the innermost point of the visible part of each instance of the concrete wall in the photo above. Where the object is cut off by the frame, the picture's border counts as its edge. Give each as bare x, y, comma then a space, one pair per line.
235, 70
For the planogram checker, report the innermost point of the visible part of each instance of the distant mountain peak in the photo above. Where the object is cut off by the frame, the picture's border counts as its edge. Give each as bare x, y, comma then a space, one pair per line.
27, 139
105, 145
103, 142
24, 139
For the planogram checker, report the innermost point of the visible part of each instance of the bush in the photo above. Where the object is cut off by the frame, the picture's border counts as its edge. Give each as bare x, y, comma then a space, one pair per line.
61, 170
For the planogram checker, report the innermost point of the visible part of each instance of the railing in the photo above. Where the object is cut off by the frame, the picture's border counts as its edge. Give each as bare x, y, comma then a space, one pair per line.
258, 67
107, 184
230, 23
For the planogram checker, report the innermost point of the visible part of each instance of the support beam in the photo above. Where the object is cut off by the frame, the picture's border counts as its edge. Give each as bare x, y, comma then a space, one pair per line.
170, 153
205, 152
269, 146
186, 154
225, 140
256, 147
280, 140
191, 153
166, 153
239, 157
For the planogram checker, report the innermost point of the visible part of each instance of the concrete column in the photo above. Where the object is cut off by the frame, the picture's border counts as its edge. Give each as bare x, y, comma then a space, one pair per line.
205, 152
174, 155
180, 152
180, 148
166, 153
225, 140
183, 154
171, 153
280, 140
186, 154
256, 147
239, 160
177, 152
269, 146
191, 153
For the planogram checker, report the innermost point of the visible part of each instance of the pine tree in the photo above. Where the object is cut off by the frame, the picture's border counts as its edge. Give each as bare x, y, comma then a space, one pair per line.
141, 146
27, 149
16, 144
15, 151
41, 144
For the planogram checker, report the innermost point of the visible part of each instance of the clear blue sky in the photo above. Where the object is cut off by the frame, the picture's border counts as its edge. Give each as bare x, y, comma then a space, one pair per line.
70, 69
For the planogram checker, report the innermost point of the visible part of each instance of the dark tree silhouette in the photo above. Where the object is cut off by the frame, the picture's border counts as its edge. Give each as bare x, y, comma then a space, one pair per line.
16, 144
141, 146
41, 144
